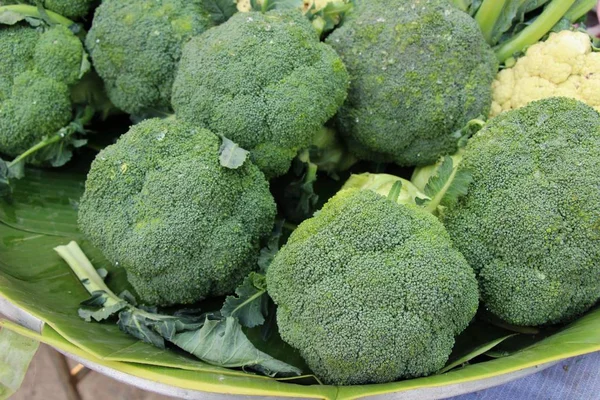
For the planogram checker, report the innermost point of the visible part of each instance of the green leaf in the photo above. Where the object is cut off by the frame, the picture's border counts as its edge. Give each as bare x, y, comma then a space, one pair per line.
231, 155
250, 305
220, 10
479, 350
395, 191
268, 253
16, 353
222, 342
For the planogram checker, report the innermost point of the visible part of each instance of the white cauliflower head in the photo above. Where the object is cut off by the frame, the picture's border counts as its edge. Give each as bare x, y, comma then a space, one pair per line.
564, 65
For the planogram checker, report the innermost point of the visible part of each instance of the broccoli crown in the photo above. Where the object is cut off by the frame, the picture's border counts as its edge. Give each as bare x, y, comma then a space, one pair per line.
420, 70
159, 203
68, 8
264, 81
135, 46
530, 223
371, 291
37, 69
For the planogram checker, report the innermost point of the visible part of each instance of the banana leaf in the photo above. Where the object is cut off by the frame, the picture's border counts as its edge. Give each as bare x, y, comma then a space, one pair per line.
42, 214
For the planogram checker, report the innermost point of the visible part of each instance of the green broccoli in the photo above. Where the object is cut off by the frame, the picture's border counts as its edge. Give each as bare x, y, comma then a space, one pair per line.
420, 70
371, 291
74, 9
159, 203
135, 46
264, 81
530, 222
42, 63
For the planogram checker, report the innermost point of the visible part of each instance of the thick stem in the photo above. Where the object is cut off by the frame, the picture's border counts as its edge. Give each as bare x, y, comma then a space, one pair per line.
487, 17
553, 13
580, 9
85, 271
32, 11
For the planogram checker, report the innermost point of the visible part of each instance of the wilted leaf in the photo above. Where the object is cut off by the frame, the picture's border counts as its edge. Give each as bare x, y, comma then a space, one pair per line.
232, 156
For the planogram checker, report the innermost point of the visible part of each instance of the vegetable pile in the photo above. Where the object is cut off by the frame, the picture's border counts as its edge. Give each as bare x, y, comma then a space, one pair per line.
323, 191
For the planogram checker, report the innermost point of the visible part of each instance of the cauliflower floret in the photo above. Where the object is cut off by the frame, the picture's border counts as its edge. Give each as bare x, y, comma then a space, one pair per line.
563, 65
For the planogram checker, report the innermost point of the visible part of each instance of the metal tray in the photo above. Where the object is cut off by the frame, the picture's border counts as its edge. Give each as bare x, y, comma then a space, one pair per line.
15, 314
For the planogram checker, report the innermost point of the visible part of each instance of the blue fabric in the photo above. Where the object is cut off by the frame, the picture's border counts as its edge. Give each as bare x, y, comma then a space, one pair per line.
576, 378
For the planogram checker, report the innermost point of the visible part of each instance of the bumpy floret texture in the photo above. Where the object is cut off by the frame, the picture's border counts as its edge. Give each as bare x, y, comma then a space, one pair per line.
420, 70
371, 291
530, 223
159, 204
136, 45
37, 68
563, 65
73, 9
264, 81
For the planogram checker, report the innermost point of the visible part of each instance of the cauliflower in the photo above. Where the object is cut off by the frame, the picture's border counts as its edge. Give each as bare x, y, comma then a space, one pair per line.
564, 65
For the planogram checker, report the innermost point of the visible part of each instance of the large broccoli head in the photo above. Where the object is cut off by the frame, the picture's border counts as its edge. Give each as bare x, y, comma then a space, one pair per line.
159, 203
37, 69
136, 45
264, 81
530, 223
371, 291
420, 70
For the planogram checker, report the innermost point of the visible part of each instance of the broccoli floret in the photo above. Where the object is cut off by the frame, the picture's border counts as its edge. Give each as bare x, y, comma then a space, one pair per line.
135, 46
159, 203
69, 8
530, 224
38, 68
264, 81
371, 291
420, 70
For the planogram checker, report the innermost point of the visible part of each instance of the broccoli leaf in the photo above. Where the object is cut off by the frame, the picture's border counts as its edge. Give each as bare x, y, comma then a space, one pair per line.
211, 337
220, 10
8, 17
268, 253
250, 305
9, 171
446, 186
222, 342
231, 155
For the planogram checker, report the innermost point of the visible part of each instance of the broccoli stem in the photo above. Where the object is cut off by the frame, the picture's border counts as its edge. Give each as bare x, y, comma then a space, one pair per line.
579, 9
62, 134
46, 142
33, 11
487, 17
553, 13
85, 271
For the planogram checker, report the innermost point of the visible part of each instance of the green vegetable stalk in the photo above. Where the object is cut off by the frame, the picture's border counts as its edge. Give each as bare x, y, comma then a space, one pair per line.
513, 25
214, 337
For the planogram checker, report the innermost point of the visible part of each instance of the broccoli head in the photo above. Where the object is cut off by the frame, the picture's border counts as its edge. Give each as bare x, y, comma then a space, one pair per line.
530, 222
264, 81
38, 69
420, 70
159, 204
371, 291
135, 46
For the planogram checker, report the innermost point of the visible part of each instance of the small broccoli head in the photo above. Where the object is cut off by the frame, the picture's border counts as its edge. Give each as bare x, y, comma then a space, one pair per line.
530, 222
135, 46
371, 291
159, 203
74, 9
37, 69
420, 70
264, 81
